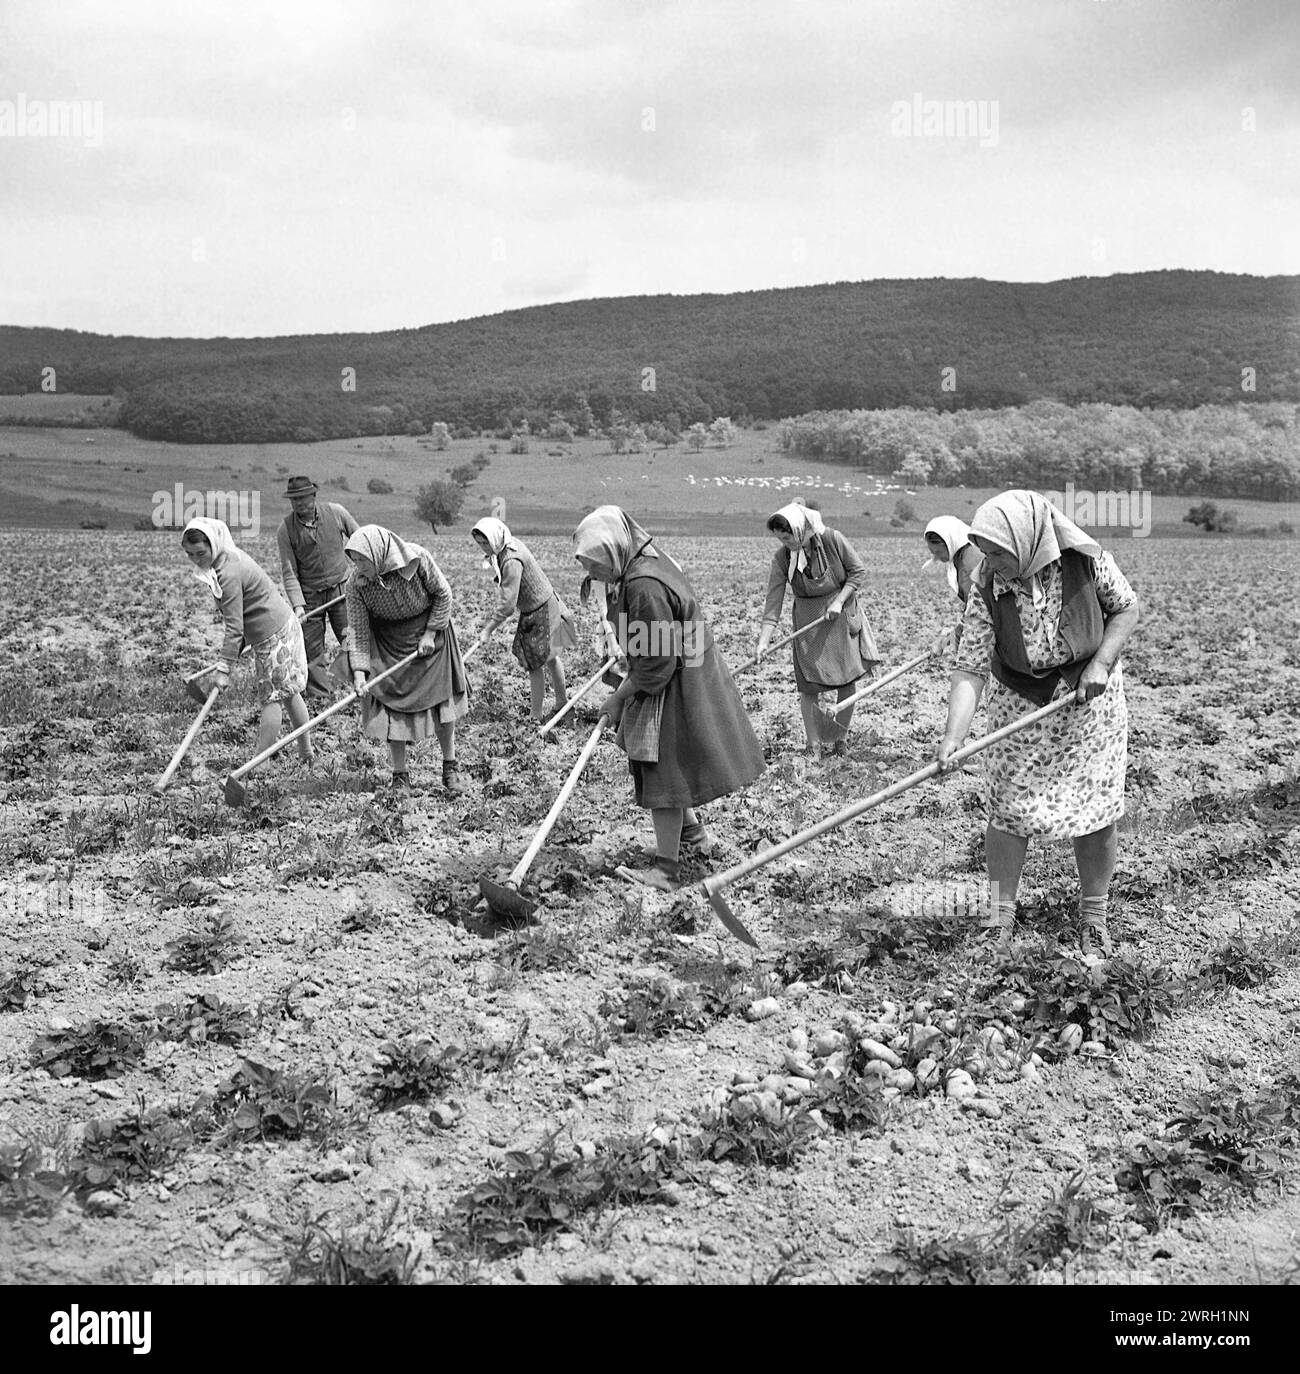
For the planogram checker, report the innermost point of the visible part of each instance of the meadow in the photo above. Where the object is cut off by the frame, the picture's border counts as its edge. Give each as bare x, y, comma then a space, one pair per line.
279, 1043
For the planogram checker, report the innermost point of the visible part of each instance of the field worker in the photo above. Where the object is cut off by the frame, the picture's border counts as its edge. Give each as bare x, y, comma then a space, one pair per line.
679, 716
1048, 615
313, 569
253, 613
399, 602
545, 626
825, 577
947, 540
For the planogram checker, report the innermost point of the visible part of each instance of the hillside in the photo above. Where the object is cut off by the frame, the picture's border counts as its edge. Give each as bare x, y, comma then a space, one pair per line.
1171, 339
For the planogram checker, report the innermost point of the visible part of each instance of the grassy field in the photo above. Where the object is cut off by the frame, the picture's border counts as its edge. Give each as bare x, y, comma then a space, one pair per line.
56, 479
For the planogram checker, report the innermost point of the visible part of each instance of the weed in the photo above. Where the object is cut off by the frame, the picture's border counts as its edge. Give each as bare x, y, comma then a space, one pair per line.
207, 946
1237, 963
19, 987
363, 916
538, 948
749, 1131
26, 1188
126, 968
94, 1049
318, 1255
204, 1018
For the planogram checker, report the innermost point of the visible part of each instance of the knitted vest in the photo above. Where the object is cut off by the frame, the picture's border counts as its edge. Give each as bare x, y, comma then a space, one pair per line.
534, 586
1082, 624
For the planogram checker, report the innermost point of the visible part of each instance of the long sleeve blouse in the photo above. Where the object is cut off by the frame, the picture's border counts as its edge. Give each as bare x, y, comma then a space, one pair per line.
838, 550
395, 597
251, 608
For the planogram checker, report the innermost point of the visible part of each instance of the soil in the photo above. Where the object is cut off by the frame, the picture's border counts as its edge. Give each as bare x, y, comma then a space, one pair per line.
354, 913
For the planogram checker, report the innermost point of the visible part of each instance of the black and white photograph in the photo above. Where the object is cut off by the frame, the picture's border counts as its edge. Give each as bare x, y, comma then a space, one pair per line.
650, 643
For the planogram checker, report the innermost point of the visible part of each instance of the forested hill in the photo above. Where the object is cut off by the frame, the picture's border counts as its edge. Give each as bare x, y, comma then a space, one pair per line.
1170, 339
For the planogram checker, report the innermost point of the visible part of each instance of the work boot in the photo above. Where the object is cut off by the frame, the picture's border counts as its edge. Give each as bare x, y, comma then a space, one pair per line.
450, 778
697, 841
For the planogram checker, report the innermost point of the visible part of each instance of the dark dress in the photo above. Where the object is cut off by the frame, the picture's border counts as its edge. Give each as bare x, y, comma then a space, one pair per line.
686, 733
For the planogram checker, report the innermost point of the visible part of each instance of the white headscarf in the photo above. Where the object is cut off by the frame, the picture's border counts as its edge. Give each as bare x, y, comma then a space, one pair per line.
498, 539
218, 535
1029, 527
955, 535
806, 525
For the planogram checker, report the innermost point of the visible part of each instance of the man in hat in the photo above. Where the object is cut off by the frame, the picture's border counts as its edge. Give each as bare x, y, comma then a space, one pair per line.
314, 570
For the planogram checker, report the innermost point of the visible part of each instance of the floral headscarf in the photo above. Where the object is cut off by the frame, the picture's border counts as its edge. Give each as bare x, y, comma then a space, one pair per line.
1030, 528
807, 527
955, 535
218, 535
387, 551
499, 539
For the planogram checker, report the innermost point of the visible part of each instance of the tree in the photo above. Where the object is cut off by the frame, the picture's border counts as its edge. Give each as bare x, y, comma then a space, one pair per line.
439, 503
441, 435
1211, 518
723, 431
696, 437
464, 474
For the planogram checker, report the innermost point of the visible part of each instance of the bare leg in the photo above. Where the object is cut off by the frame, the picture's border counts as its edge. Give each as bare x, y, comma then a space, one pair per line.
268, 730
668, 831
1095, 857
1005, 856
555, 671
298, 717
811, 713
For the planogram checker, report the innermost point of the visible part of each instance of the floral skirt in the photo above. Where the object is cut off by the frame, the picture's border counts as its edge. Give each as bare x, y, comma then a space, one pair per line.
1063, 777
281, 664
542, 633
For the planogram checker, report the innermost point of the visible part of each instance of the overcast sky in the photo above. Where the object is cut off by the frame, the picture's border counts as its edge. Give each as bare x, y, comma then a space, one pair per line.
315, 166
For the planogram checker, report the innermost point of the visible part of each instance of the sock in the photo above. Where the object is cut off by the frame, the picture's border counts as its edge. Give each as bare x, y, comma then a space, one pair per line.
1094, 908
1004, 913
671, 867
693, 832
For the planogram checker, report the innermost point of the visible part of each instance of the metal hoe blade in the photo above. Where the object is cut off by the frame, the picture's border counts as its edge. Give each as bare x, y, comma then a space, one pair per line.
728, 918
235, 791
505, 901
197, 692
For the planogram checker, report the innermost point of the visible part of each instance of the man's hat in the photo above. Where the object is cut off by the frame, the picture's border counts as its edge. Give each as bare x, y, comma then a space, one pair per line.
300, 486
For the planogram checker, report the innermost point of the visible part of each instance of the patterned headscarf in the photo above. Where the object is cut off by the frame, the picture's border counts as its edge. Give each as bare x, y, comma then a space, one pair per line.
499, 539
1030, 528
386, 550
218, 535
807, 527
955, 535
610, 536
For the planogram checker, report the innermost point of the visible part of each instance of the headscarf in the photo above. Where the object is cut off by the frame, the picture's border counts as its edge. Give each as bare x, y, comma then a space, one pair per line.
386, 550
610, 536
1029, 527
807, 527
499, 539
955, 535
218, 535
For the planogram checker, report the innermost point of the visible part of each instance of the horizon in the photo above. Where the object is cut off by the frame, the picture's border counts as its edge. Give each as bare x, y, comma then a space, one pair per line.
284, 168
657, 295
